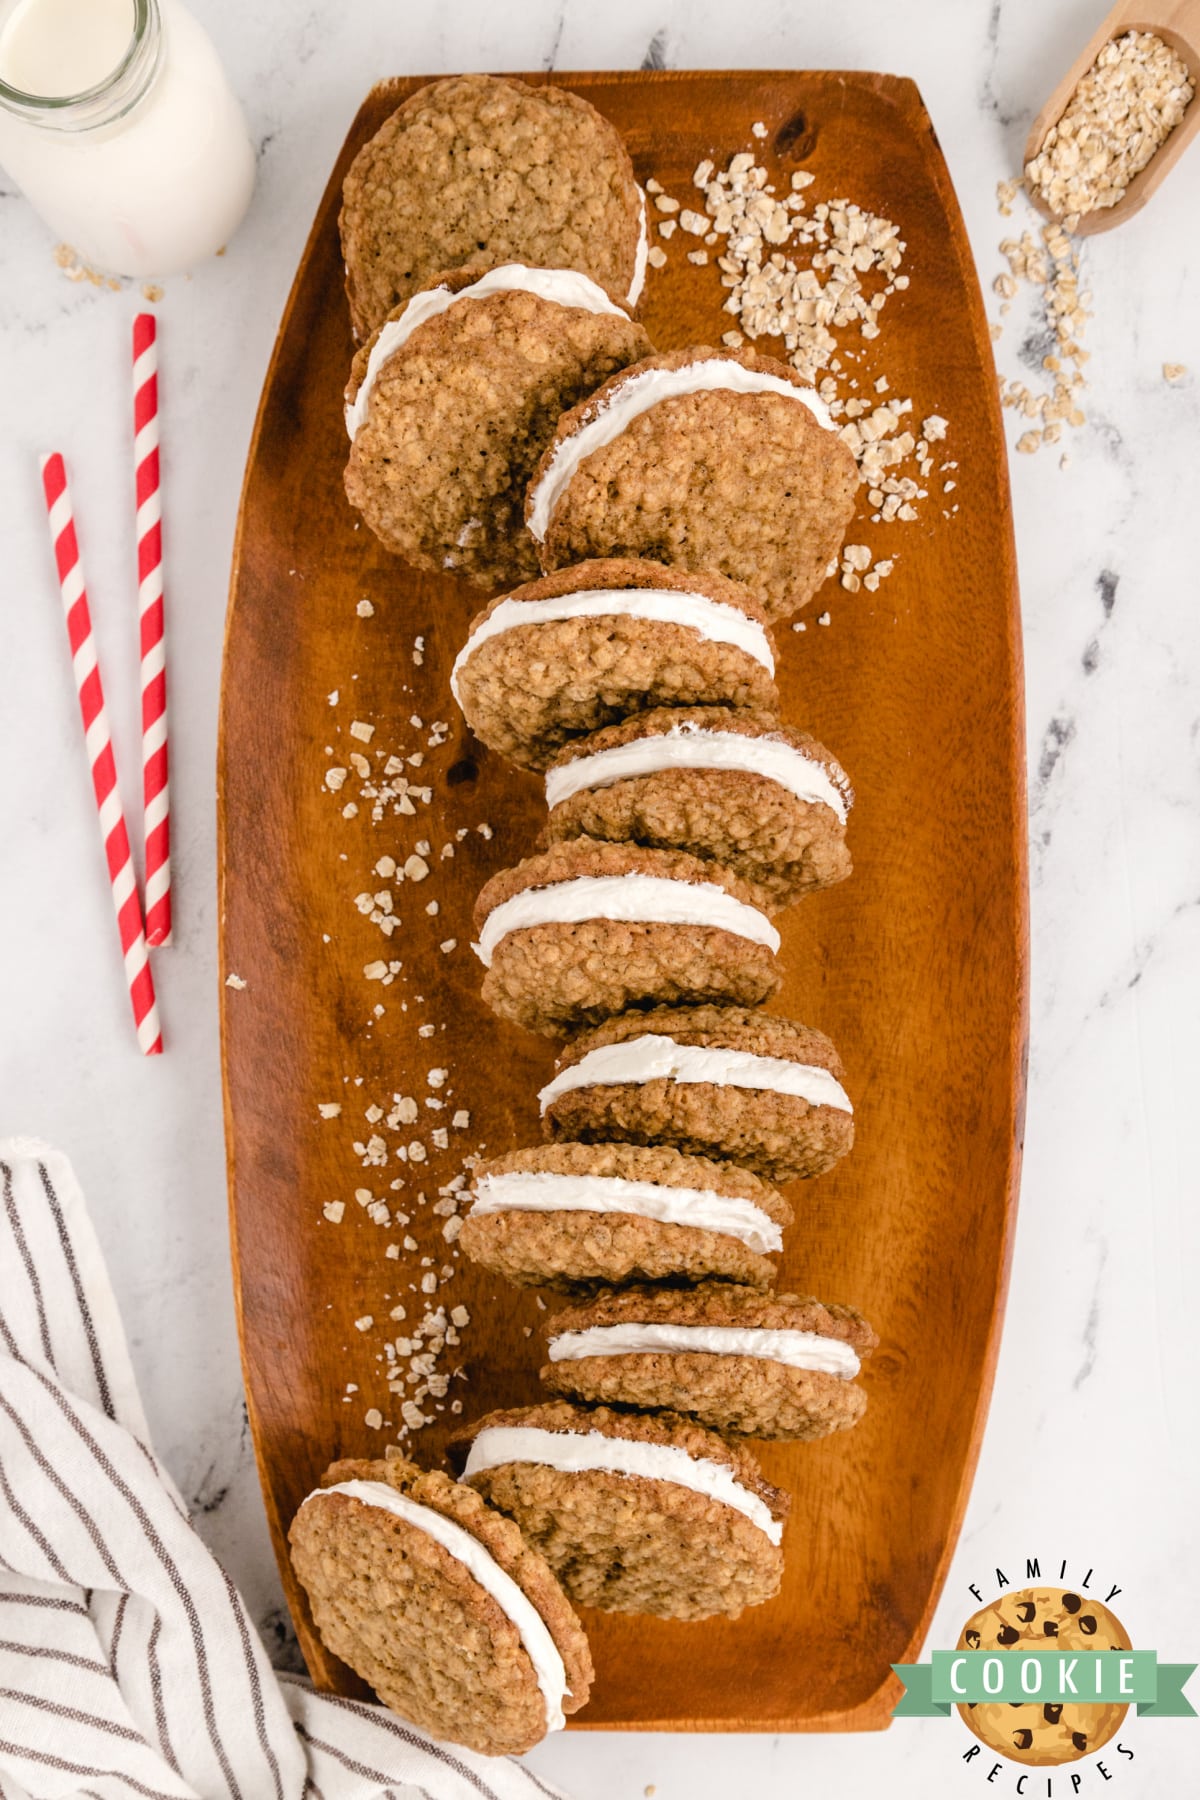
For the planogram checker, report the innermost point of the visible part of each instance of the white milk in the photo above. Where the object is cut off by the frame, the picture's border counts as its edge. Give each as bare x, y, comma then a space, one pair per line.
118, 123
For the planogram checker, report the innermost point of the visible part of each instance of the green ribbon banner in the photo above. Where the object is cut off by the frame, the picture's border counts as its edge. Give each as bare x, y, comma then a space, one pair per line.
1078, 1677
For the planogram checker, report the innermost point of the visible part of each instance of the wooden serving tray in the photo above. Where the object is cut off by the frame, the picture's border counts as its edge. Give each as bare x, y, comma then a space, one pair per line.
916, 966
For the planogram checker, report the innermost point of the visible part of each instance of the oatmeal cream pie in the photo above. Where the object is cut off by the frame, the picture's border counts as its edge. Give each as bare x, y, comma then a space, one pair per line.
586, 930
485, 169
760, 1365
708, 459
438, 1601
589, 645
635, 1513
722, 1081
454, 398
736, 788
592, 1215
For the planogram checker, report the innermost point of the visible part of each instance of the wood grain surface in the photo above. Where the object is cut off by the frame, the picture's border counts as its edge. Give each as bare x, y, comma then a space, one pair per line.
916, 966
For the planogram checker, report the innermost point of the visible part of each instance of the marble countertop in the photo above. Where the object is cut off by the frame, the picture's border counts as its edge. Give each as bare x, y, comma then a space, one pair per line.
1091, 1451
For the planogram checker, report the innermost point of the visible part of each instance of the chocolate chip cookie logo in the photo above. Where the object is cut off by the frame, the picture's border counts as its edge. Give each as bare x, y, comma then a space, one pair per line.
1043, 1731
1045, 1676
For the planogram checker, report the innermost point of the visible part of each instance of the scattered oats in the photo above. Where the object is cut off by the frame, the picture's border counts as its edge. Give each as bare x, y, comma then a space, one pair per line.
373, 1419
1174, 371
1029, 442
334, 1211
824, 619
485, 831
668, 227
349, 811
360, 765
665, 204
656, 256
375, 971
334, 779
429, 1283
461, 1120
441, 1138
362, 731
364, 609
393, 1251
447, 945
758, 130
415, 868
234, 981
329, 1109
372, 1115
733, 340
699, 257
460, 1316
437, 1077
933, 429
696, 224
365, 1323
426, 1031
333, 698
416, 1151
432, 909
451, 1229
652, 186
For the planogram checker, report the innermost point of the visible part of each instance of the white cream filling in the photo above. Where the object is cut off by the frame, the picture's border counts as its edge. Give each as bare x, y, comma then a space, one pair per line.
582, 1452
690, 747
540, 1647
710, 619
564, 287
797, 1349
633, 899
545, 1191
655, 1058
637, 395
639, 261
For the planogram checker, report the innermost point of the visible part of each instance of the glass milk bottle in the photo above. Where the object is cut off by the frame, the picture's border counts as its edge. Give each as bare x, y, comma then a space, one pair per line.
117, 122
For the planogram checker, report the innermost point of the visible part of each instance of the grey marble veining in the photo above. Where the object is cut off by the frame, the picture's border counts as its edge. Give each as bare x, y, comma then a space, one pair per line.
1091, 1450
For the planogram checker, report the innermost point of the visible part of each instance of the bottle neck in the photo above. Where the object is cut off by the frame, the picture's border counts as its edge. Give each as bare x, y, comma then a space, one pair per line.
110, 99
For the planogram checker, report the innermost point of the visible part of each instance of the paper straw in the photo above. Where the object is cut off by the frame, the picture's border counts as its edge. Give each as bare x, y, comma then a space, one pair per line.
100, 755
155, 798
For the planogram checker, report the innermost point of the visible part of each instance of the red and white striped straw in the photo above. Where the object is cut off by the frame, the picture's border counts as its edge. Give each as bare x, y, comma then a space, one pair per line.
155, 798
100, 755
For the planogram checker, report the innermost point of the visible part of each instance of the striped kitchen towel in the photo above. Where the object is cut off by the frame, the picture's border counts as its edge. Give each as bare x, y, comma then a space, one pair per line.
128, 1664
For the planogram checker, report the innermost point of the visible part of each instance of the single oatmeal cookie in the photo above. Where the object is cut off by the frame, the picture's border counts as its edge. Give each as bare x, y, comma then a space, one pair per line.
484, 169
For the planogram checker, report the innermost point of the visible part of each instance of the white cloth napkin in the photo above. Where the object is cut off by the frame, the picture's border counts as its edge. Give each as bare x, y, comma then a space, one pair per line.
128, 1664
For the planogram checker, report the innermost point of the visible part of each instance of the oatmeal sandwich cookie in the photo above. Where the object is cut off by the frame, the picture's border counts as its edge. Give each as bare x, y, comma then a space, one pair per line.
438, 1601
763, 800
721, 1081
592, 1215
635, 1513
760, 1365
589, 645
709, 459
455, 396
586, 929
486, 170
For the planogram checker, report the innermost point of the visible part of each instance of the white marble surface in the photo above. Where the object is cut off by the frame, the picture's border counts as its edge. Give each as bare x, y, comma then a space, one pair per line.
1091, 1450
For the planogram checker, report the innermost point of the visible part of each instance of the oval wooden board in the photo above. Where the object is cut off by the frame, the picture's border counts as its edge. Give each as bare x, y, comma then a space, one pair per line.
916, 966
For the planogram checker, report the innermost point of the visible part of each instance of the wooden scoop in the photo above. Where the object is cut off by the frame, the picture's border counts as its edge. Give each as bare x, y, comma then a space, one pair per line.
1177, 23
